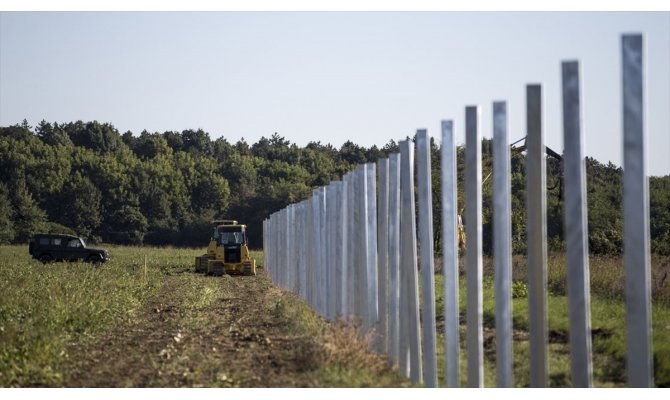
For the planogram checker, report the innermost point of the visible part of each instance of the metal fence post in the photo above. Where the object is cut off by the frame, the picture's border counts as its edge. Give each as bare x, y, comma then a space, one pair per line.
341, 250
302, 249
537, 237
408, 255
299, 258
636, 216
502, 245
372, 259
316, 249
295, 288
323, 267
361, 264
393, 292
473, 231
331, 286
280, 241
291, 250
427, 263
450, 255
309, 249
273, 238
576, 229
288, 250
382, 251
352, 245
265, 243
305, 249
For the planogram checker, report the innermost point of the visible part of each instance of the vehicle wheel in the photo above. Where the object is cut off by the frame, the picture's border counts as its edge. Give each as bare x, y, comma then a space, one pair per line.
247, 270
45, 258
95, 260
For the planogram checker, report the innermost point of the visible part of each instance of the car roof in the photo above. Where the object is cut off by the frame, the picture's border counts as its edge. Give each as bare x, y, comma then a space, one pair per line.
62, 235
232, 226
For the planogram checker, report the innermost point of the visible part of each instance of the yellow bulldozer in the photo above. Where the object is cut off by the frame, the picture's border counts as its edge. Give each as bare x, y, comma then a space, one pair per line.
228, 252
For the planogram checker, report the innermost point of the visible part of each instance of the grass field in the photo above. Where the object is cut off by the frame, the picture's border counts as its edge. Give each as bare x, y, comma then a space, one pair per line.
75, 325
608, 321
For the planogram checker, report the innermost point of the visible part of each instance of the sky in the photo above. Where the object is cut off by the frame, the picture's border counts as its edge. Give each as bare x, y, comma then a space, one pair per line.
368, 77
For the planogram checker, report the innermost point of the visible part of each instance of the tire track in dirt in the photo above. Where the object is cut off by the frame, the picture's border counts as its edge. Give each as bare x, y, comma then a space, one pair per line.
241, 338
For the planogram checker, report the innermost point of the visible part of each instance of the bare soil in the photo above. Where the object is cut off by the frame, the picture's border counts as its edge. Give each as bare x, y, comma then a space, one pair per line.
240, 339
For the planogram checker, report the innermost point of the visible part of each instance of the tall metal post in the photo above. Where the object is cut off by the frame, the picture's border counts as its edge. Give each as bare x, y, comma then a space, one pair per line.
304, 262
473, 231
341, 249
353, 237
393, 292
450, 255
636, 216
382, 251
372, 259
331, 236
576, 228
288, 250
537, 237
323, 260
408, 266
502, 245
427, 262
265, 244
316, 249
363, 244
311, 251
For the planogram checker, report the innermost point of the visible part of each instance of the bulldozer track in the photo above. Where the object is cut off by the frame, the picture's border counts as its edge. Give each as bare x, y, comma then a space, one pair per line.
235, 342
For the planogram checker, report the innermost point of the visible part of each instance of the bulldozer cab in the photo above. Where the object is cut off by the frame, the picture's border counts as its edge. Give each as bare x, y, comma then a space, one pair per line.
230, 235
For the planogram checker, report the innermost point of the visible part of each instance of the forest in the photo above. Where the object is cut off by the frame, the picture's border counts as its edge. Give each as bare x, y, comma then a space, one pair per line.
164, 189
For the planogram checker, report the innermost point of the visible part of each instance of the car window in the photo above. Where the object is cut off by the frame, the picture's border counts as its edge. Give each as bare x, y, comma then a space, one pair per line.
56, 241
44, 241
74, 243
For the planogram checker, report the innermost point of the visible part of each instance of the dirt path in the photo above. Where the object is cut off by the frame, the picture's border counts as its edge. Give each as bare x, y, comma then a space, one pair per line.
212, 332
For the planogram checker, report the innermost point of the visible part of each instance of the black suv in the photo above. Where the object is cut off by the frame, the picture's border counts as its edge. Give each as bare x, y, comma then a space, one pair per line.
48, 247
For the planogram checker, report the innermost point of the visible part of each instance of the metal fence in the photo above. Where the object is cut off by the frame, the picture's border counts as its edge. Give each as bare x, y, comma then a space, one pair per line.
351, 249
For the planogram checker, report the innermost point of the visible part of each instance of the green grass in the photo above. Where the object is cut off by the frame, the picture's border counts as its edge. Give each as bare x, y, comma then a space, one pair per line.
336, 353
44, 307
608, 321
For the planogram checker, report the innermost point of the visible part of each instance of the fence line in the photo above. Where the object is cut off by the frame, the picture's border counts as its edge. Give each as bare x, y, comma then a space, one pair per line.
350, 250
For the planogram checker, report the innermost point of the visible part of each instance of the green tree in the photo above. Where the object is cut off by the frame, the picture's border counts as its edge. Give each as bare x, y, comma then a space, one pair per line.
659, 214
53, 135
128, 225
101, 138
197, 142
29, 218
148, 146
78, 205
6, 216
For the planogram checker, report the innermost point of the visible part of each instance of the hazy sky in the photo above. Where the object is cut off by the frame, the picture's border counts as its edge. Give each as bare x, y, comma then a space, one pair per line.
328, 76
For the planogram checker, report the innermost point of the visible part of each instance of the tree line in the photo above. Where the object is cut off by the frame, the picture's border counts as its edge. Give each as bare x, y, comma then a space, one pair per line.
165, 188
